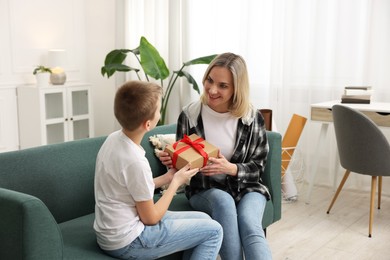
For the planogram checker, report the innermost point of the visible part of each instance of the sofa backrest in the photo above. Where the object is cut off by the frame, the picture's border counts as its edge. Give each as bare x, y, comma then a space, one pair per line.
61, 175
157, 167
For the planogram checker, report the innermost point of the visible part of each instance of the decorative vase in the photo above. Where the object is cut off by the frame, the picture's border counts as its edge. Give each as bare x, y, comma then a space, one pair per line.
58, 78
42, 79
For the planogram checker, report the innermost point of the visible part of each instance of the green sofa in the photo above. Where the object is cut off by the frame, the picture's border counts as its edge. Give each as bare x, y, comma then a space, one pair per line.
47, 198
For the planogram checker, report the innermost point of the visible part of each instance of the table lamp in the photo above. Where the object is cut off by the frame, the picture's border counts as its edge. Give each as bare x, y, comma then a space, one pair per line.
56, 63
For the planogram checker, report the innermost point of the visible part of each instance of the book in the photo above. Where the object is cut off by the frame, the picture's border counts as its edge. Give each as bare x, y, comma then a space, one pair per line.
361, 99
355, 101
359, 87
357, 92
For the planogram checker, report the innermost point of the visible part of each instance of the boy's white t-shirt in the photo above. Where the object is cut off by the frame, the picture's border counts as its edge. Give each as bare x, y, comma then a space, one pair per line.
122, 177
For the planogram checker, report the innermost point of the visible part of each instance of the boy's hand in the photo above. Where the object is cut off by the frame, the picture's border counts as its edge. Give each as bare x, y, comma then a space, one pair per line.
183, 175
165, 159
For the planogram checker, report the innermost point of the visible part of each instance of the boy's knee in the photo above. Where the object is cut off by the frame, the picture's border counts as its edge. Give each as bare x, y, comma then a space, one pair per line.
218, 230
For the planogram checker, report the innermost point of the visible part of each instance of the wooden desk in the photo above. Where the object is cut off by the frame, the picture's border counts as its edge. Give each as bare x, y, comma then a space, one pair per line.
379, 112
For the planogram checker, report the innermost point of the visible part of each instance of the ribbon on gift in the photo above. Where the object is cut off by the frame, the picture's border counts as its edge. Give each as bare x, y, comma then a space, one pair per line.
194, 144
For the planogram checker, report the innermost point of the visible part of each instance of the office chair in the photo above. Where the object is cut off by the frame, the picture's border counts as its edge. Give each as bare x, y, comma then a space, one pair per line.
363, 149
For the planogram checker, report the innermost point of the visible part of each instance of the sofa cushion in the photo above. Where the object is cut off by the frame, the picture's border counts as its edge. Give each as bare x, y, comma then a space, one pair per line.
80, 240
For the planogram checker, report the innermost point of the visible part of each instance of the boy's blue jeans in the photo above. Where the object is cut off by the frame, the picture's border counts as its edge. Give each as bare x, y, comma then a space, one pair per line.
190, 231
242, 223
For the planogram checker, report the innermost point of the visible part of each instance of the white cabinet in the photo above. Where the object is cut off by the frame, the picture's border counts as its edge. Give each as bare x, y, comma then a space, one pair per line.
54, 114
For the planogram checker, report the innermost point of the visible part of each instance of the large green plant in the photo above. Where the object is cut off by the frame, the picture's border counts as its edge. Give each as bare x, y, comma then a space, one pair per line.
153, 65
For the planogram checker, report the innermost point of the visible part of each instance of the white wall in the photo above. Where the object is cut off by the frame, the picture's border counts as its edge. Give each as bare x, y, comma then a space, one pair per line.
102, 18
86, 29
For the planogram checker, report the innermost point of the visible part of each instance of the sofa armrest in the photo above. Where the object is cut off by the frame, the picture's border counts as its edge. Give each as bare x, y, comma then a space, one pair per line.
28, 229
272, 174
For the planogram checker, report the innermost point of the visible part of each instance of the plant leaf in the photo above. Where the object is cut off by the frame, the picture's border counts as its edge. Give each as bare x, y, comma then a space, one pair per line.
189, 78
151, 61
116, 56
113, 62
201, 60
112, 68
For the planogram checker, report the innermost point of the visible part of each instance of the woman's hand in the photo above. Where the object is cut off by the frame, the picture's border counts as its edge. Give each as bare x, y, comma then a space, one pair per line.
219, 166
165, 159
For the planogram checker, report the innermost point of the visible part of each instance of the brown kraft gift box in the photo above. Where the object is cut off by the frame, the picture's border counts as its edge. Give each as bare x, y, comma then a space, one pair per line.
186, 153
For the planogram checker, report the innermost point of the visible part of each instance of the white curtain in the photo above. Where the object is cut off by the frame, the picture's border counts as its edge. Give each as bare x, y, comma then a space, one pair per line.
298, 52
161, 23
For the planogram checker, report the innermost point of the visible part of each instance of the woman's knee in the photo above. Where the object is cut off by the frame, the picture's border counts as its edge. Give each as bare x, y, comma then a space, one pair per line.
221, 201
212, 198
250, 210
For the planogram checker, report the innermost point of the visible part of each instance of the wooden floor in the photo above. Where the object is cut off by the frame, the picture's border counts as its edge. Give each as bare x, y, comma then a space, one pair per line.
307, 232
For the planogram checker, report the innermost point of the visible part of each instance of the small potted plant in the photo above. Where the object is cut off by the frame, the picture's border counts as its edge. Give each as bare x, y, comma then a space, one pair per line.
42, 75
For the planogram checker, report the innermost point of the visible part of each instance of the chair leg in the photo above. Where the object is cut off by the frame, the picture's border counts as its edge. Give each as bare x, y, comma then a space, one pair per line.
346, 175
372, 202
379, 191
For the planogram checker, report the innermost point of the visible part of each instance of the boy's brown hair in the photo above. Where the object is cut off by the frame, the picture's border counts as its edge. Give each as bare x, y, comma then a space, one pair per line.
135, 102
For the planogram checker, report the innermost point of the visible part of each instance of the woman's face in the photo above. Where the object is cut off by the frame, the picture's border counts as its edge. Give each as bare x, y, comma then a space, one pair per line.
218, 89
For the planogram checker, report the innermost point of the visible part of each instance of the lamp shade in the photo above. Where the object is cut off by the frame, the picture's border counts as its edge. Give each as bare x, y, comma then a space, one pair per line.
57, 58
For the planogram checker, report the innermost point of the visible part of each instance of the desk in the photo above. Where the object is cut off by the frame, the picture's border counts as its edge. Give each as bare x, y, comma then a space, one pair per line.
379, 112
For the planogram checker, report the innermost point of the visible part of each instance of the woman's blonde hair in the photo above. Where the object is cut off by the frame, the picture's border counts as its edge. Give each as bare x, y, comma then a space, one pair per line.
240, 103
135, 102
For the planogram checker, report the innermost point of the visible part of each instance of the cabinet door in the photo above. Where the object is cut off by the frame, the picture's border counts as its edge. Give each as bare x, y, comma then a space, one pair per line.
79, 113
54, 128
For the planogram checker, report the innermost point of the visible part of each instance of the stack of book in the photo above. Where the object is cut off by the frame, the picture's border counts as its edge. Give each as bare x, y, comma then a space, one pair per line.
359, 94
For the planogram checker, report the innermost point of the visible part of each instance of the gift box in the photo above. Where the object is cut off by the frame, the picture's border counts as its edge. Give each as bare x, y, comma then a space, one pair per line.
191, 149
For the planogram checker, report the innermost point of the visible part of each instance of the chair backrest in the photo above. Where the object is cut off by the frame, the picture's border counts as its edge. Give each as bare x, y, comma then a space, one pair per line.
362, 146
267, 115
291, 138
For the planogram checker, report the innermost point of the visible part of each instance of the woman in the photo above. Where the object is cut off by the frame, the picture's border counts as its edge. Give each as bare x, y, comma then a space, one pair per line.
229, 188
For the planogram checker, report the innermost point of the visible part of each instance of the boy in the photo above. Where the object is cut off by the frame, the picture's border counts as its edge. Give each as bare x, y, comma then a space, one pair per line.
128, 224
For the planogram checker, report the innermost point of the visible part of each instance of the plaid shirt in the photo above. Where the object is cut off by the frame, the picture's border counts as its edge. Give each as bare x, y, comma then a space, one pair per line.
250, 153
